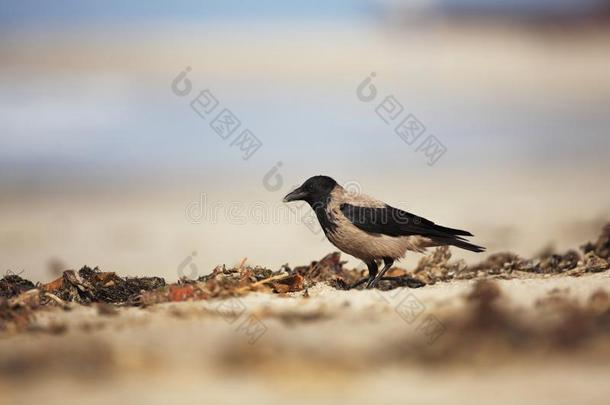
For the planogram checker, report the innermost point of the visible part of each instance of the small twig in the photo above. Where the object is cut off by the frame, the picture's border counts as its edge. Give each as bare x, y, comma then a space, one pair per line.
56, 299
266, 280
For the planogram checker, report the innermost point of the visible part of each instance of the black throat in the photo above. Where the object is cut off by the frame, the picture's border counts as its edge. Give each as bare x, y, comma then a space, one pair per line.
320, 206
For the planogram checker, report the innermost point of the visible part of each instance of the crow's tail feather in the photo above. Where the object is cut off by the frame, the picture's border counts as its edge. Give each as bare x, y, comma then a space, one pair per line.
452, 231
458, 242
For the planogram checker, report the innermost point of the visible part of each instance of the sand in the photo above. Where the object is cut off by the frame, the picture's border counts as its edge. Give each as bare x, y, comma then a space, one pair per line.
329, 346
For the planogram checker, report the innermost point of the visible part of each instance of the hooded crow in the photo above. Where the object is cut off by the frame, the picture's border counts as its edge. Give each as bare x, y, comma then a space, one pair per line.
372, 230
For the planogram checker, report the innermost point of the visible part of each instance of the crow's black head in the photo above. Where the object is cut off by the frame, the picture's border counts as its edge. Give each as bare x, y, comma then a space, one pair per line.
314, 191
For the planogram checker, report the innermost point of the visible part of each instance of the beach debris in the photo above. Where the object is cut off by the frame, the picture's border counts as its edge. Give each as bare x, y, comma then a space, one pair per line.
437, 266
601, 247
92, 285
12, 285
19, 297
593, 263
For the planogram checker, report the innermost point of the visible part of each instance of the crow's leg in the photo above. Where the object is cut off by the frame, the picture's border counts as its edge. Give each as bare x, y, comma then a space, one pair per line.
358, 283
374, 281
372, 265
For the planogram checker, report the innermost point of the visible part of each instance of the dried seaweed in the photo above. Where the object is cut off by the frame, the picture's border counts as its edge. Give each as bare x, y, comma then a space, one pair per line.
12, 285
93, 285
18, 296
601, 247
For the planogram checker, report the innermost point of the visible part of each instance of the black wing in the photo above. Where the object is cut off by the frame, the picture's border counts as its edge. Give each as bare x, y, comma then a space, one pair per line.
394, 222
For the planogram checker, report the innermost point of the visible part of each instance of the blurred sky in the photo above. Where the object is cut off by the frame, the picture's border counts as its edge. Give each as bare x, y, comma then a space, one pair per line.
88, 84
99, 158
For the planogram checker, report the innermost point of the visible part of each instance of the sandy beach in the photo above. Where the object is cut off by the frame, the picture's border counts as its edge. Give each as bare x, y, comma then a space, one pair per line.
350, 346
501, 331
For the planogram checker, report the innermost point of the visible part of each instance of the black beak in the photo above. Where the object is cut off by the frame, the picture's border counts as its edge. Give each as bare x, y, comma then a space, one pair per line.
296, 195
